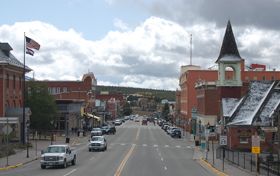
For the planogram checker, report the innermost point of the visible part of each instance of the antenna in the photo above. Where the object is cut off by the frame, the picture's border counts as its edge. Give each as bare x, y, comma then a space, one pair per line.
190, 49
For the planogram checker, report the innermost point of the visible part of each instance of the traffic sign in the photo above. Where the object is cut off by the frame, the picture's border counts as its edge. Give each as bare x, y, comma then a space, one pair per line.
223, 140
256, 141
7, 129
256, 150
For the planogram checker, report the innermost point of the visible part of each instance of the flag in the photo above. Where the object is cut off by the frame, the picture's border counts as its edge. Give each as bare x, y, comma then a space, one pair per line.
29, 51
31, 43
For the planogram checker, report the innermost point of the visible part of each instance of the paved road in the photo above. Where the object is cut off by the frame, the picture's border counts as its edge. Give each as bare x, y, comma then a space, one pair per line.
134, 150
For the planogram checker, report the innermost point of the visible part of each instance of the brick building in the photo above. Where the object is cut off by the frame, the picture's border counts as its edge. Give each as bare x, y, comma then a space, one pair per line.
11, 92
75, 101
193, 77
110, 104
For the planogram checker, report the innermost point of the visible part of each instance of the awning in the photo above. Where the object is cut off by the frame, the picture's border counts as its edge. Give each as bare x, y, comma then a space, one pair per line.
92, 116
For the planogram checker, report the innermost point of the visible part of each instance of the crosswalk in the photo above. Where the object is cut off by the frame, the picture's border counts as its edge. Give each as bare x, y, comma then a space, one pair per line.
154, 145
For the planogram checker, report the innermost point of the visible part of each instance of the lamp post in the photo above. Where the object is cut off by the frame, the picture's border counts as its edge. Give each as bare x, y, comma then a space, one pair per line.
27, 135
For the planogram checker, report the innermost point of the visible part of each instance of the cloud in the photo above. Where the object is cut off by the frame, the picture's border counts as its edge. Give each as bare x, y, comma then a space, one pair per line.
148, 56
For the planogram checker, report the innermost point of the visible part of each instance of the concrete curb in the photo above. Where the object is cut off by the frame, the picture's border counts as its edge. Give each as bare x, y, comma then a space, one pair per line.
213, 169
18, 165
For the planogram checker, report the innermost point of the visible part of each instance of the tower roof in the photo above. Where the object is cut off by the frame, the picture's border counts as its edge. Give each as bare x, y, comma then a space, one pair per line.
229, 50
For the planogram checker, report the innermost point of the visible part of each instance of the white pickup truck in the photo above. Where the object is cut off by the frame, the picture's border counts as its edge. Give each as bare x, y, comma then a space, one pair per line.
58, 155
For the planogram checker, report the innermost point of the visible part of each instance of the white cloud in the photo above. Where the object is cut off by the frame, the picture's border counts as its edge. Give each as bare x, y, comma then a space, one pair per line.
148, 56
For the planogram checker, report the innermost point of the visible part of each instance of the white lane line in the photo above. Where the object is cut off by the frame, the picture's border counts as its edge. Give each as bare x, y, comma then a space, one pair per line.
122, 144
165, 168
189, 147
92, 158
155, 145
166, 146
70, 172
144, 145
178, 146
161, 159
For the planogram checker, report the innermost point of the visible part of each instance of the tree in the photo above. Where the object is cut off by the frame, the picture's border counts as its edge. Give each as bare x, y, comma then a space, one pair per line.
165, 111
42, 105
127, 109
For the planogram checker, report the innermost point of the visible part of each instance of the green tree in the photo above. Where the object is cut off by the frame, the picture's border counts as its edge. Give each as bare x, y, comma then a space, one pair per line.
165, 111
127, 109
42, 105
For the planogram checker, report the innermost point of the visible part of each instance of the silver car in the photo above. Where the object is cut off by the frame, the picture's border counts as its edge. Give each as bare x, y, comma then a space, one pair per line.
97, 143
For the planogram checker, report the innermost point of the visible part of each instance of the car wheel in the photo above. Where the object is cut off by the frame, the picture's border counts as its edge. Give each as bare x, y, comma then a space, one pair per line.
74, 161
89, 150
64, 164
43, 167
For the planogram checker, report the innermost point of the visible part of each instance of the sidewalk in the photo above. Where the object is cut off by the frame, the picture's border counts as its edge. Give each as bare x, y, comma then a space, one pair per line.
20, 158
206, 160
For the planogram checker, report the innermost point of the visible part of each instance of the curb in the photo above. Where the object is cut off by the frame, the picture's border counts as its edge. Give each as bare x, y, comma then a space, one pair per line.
213, 169
11, 167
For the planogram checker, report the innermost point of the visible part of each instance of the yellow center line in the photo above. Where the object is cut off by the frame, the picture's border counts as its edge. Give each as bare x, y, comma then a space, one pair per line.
121, 166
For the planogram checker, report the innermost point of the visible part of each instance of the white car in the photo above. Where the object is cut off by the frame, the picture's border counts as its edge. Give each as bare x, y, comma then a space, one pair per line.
97, 143
58, 155
96, 132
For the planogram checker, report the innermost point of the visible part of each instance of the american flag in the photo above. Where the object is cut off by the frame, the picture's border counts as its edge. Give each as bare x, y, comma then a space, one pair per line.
31, 43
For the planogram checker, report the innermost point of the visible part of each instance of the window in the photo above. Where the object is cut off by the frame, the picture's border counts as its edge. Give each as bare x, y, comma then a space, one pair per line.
58, 90
14, 81
64, 89
20, 82
7, 81
243, 140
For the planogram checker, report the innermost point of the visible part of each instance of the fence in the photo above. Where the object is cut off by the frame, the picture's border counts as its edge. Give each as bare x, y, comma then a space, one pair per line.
269, 164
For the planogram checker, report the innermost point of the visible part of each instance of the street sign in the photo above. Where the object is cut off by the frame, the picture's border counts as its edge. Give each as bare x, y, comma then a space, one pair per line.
256, 141
256, 150
7, 129
223, 140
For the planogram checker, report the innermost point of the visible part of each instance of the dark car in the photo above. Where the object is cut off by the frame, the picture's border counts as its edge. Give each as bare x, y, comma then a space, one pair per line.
144, 122
109, 129
176, 133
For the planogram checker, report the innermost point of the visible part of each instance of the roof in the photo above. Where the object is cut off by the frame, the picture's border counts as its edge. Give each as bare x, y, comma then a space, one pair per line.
258, 107
6, 57
229, 50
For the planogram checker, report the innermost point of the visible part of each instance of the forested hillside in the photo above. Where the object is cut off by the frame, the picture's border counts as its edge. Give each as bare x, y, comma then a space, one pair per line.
160, 94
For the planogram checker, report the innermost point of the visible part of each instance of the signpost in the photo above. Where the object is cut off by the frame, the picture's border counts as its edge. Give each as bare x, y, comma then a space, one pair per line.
256, 149
223, 142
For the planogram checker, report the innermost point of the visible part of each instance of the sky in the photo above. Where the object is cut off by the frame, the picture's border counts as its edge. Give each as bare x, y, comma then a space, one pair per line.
137, 43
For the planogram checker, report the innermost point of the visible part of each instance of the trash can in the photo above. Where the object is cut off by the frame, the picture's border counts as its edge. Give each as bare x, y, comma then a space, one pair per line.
67, 140
196, 143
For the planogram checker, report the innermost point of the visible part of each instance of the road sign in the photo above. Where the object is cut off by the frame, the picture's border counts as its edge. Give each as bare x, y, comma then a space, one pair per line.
223, 140
256, 141
256, 150
7, 129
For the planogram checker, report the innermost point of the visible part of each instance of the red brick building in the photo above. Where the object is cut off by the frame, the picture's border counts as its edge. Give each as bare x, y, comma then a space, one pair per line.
110, 104
75, 101
190, 75
11, 91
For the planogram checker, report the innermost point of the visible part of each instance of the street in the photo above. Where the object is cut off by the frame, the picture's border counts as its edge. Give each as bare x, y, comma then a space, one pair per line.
135, 150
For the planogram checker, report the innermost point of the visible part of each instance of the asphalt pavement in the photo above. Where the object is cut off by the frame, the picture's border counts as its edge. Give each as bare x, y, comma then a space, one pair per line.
135, 150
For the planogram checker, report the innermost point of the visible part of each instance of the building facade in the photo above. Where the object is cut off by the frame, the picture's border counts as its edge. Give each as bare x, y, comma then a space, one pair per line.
11, 93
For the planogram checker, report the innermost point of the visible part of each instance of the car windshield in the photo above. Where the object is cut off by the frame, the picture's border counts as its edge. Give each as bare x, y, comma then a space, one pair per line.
96, 138
96, 129
55, 149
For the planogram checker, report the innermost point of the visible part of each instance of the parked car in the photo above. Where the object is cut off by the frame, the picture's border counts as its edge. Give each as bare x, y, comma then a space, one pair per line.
57, 155
176, 133
118, 122
97, 143
96, 132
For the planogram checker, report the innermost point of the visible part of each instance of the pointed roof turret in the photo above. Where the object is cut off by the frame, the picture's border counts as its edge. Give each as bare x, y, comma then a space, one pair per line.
229, 50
